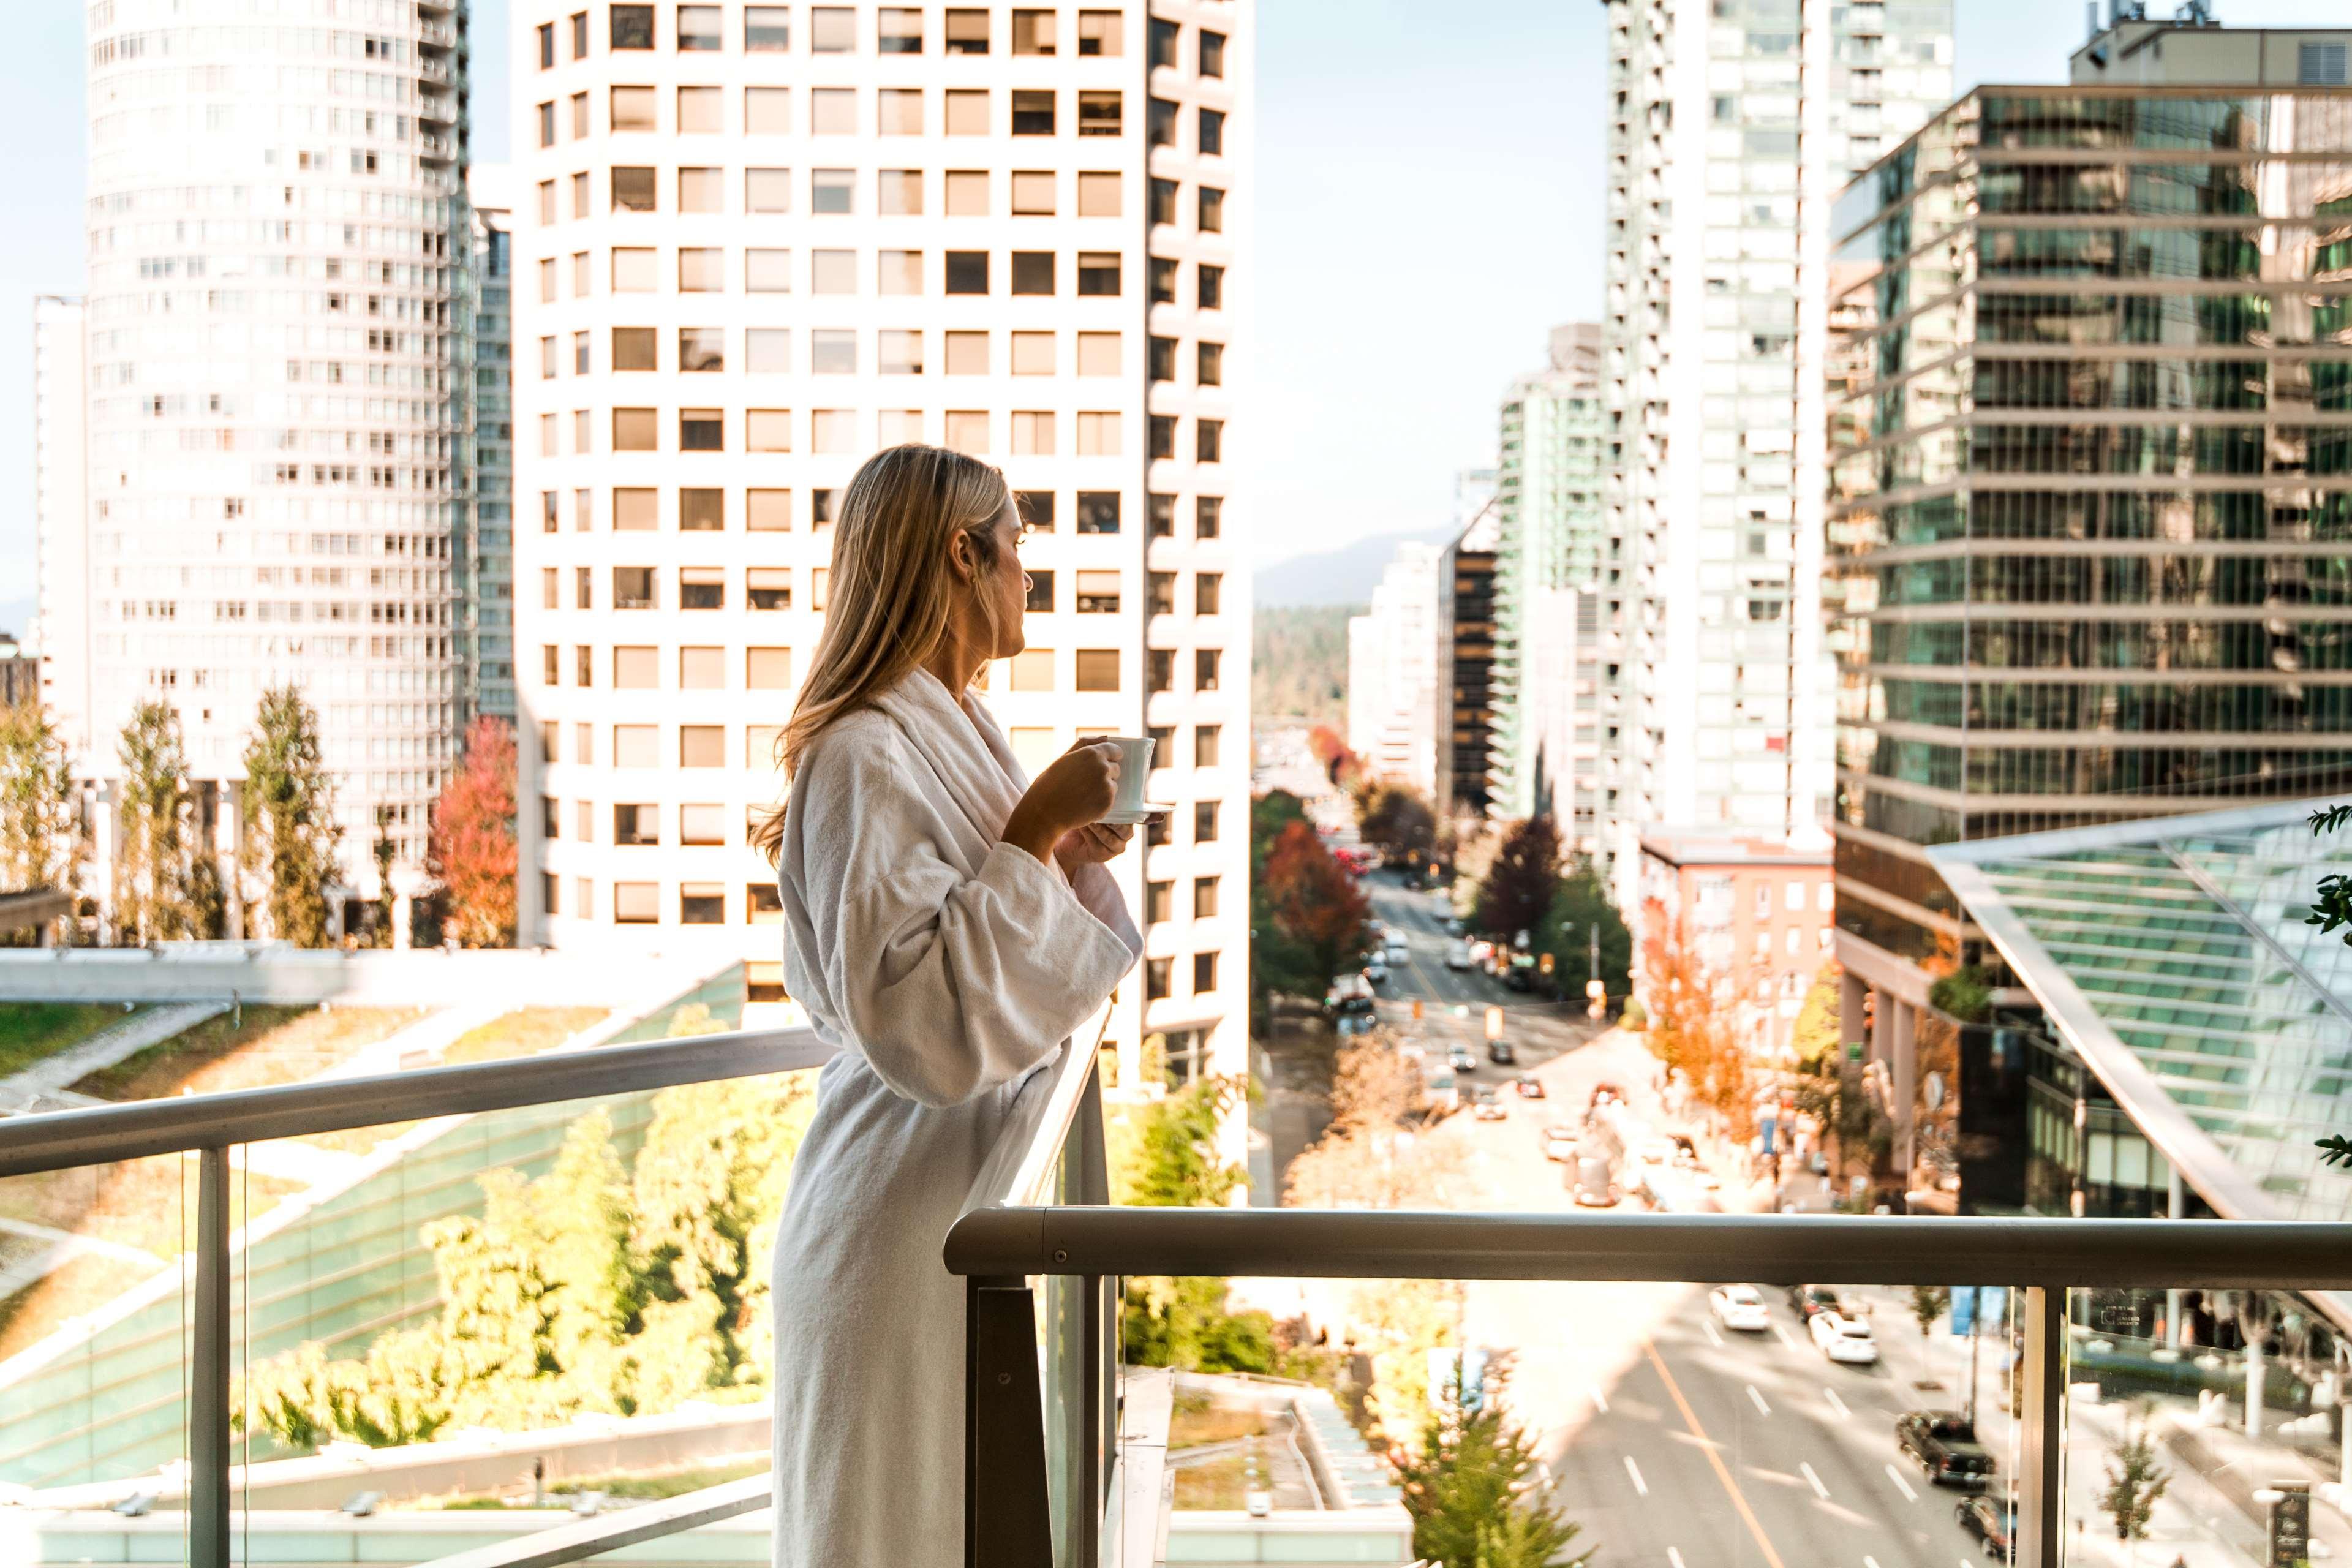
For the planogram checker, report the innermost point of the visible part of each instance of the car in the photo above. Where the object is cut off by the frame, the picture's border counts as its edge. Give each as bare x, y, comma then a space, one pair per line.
1560, 1141
1588, 1178
1991, 1521
1453, 926
1350, 1025
1740, 1307
1460, 1059
1685, 1152
1458, 956
1605, 1093
1530, 1087
1487, 1108
1397, 951
1376, 973
1519, 977
1807, 1299
1844, 1339
1501, 1054
1944, 1443
1655, 1151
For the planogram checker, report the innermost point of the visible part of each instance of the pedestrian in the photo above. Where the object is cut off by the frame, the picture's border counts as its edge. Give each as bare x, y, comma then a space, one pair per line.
948, 923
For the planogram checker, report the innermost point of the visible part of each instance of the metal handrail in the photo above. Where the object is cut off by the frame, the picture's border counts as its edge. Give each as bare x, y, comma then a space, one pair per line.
98, 1135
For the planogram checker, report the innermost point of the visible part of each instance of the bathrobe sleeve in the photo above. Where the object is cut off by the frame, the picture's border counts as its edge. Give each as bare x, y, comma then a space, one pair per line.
948, 982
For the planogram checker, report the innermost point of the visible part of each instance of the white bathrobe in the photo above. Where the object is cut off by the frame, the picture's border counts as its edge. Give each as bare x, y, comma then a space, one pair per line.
949, 967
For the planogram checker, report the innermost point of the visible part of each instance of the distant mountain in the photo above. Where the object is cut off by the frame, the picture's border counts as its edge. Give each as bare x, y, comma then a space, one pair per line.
1299, 663
1342, 577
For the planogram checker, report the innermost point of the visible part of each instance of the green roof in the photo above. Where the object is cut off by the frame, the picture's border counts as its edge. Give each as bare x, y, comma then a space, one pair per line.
2171, 954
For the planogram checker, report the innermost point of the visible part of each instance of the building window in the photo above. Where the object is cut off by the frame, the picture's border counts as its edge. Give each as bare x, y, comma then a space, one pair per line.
636, 668
1162, 45
1036, 509
1213, 133
1212, 286
630, 26
1099, 435
833, 351
1213, 55
768, 510
830, 430
967, 111
634, 270
701, 588
633, 190
767, 29
899, 30
1158, 902
583, 666
1033, 193
1040, 598
633, 588
767, 190
767, 430
769, 587
1097, 592
700, 430
1033, 32
833, 191
1101, 113
1160, 123
698, 29
634, 430
967, 272
702, 511
631, 109
701, 746
701, 904
702, 670
1032, 433
702, 350
898, 352
547, 123
1204, 973
1033, 112
1159, 594
1209, 364
634, 509
768, 668
1204, 897
1208, 517
1163, 201
2322, 65
768, 111
702, 824
1160, 434
764, 904
1207, 593
1162, 280
1097, 670
1033, 272
1204, 822
1098, 512
1098, 273
1206, 662
764, 271
833, 111
1208, 440
637, 826
1163, 516
1156, 972
547, 46
1161, 359
1100, 33
833, 30
967, 31
1213, 211
637, 903
633, 348
967, 353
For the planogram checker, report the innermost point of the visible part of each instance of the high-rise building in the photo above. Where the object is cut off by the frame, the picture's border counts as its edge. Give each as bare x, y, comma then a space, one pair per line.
755, 243
1548, 536
2091, 499
61, 615
1732, 123
1393, 670
1466, 667
485, 553
276, 243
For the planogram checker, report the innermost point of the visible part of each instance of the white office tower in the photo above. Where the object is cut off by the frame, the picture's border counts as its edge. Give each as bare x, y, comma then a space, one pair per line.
61, 630
485, 554
1393, 670
1548, 536
1733, 123
275, 226
755, 243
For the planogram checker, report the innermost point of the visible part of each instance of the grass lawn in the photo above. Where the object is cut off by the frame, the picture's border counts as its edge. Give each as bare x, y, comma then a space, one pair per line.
1219, 1483
633, 1485
147, 1204
525, 1032
1190, 1424
270, 1046
32, 1030
79, 1284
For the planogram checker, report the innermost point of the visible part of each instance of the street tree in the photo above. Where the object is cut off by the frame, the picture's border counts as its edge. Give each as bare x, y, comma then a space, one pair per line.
1927, 1304
153, 802
40, 821
2134, 1480
1582, 906
1314, 903
1397, 820
1471, 1485
291, 832
1519, 887
1371, 1155
1687, 1026
471, 849
1170, 1159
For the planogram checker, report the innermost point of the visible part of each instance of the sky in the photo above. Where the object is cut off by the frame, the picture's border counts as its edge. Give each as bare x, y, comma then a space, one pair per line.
1428, 201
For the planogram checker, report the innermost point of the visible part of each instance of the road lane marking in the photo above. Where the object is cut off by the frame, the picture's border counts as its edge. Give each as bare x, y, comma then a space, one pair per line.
1690, 1419
1782, 1335
1901, 1484
1634, 1470
1837, 1405
1598, 1402
1712, 1337
1819, 1491
1757, 1399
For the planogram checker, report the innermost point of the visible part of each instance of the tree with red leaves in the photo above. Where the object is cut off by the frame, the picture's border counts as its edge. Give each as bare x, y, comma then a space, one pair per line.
472, 847
1519, 887
1314, 903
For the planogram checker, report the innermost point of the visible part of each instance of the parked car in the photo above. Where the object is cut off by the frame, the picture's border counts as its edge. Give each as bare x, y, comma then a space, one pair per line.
1991, 1521
1453, 926
1807, 1300
1461, 1060
1488, 1107
1458, 956
1844, 1339
1943, 1442
1590, 1179
1560, 1142
1376, 973
1501, 1054
1397, 950
1350, 1025
1530, 1087
1740, 1307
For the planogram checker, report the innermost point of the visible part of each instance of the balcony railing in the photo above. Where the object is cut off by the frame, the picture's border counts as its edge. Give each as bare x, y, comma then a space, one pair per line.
1052, 1475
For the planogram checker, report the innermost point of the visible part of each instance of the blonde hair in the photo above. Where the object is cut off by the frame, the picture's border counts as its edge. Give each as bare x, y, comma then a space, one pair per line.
893, 588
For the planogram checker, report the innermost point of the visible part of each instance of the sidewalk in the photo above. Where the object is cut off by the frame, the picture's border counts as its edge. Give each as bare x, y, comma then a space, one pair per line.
44, 1085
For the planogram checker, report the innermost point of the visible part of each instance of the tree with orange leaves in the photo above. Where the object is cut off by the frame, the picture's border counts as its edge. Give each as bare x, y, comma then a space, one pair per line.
1314, 903
1689, 1027
471, 850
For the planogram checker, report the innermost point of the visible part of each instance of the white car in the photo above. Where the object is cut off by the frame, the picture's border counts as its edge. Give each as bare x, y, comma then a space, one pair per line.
1844, 1339
1399, 951
1458, 956
1740, 1307
1658, 1152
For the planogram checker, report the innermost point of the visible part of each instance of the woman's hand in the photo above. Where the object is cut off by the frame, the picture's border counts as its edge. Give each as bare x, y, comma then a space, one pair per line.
1092, 844
1075, 790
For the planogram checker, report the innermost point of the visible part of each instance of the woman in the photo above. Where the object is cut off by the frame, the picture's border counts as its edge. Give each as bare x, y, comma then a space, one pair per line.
948, 924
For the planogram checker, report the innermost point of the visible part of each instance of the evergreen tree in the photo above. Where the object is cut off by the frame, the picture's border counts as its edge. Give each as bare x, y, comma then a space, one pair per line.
40, 826
472, 847
1580, 905
1520, 885
291, 832
1471, 1485
153, 801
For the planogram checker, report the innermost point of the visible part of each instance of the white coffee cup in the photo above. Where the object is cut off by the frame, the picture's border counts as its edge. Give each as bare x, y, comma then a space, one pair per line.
1134, 768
